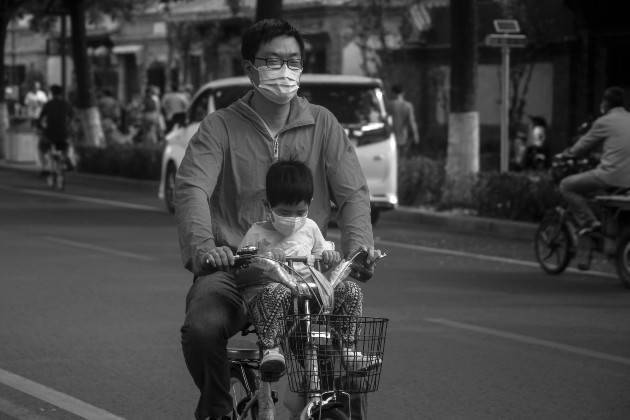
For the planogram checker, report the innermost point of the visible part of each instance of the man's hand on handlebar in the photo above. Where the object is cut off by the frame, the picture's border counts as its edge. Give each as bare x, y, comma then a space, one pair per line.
219, 258
373, 254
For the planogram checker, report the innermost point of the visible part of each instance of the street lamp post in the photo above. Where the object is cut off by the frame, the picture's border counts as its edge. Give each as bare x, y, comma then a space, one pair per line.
506, 38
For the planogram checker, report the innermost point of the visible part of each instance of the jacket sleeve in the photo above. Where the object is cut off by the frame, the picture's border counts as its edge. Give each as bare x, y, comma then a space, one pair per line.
349, 188
594, 137
196, 179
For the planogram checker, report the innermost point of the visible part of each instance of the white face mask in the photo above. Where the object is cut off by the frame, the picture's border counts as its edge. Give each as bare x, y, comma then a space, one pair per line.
279, 86
287, 225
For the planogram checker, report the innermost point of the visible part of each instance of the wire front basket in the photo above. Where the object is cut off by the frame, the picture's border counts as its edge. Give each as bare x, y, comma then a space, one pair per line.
326, 352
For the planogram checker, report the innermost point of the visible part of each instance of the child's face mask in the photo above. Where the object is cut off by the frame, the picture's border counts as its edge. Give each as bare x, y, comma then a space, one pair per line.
287, 225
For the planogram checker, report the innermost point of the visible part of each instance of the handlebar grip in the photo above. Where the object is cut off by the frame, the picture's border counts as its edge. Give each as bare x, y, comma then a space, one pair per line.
241, 260
359, 270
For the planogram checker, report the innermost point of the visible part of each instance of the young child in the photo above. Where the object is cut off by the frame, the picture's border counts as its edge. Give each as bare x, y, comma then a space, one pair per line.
289, 233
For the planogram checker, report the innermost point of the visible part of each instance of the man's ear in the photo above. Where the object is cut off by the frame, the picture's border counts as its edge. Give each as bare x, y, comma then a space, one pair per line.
247, 68
266, 205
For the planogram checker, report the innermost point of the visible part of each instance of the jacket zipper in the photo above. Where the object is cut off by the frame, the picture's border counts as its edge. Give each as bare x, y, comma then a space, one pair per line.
276, 147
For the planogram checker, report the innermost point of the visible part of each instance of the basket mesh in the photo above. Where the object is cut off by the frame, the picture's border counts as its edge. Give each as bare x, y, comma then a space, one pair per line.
312, 350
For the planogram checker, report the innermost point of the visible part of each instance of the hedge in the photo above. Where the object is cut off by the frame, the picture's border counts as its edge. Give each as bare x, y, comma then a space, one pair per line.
521, 196
129, 161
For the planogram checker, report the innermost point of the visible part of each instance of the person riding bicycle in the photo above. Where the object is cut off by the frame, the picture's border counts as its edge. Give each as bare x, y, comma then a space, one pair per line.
54, 121
221, 182
287, 232
611, 131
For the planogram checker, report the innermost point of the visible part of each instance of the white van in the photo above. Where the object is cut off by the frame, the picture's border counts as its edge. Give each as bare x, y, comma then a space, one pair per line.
357, 102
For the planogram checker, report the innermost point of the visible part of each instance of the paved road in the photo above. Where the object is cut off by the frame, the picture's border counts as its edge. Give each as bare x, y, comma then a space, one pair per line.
92, 294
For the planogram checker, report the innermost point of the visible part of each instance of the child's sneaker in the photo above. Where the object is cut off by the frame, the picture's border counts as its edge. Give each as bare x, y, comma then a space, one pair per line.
355, 361
272, 363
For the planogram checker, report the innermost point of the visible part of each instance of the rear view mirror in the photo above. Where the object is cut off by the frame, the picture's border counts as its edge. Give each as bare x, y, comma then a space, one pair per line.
179, 118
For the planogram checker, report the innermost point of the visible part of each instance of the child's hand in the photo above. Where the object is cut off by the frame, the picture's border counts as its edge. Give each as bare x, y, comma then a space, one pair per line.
277, 254
330, 257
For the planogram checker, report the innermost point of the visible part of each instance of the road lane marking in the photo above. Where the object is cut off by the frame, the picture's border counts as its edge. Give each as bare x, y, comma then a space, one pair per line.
99, 248
477, 256
532, 340
56, 398
111, 203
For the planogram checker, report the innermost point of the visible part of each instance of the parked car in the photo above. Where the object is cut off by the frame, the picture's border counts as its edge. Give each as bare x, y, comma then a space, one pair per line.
356, 101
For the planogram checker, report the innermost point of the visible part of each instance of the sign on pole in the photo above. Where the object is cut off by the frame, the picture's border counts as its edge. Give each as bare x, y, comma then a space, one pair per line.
506, 26
506, 38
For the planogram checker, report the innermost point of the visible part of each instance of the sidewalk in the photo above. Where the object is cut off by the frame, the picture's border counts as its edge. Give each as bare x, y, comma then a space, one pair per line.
469, 224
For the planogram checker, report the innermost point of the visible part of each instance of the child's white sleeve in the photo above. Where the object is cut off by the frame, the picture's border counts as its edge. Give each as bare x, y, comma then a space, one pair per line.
320, 244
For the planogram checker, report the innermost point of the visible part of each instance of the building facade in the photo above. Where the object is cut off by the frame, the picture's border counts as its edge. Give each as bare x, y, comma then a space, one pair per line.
575, 50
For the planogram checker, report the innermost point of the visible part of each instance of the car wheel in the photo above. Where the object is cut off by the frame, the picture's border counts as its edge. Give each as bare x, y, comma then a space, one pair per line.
169, 188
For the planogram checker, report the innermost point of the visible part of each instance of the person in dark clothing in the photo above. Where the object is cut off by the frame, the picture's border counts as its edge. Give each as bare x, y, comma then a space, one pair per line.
54, 121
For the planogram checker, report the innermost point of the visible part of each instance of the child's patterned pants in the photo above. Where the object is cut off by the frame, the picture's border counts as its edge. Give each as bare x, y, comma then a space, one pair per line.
271, 304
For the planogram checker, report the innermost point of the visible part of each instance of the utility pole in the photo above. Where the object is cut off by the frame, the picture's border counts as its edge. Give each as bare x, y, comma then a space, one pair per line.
507, 37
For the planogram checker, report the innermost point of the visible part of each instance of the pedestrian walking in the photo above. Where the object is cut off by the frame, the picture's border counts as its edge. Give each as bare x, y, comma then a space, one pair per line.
173, 102
150, 118
404, 121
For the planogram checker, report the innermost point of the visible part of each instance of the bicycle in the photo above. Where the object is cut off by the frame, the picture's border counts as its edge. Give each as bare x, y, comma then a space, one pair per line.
56, 163
557, 241
314, 367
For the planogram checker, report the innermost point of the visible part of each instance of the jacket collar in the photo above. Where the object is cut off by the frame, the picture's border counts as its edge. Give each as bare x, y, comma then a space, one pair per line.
299, 113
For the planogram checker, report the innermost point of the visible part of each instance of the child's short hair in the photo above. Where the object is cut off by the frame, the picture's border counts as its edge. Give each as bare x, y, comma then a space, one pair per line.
289, 182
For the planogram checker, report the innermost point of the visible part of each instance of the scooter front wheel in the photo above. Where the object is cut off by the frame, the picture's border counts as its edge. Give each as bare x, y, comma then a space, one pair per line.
552, 245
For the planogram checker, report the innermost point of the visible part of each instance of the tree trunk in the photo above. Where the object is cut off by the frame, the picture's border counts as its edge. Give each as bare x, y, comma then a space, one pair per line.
268, 9
463, 129
88, 113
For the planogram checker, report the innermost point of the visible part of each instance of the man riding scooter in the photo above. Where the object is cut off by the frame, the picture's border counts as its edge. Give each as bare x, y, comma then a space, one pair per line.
611, 131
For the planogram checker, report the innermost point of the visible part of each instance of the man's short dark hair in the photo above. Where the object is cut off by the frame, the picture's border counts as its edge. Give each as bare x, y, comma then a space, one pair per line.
397, 89
263, 32
56, 90
289, 182
614, 96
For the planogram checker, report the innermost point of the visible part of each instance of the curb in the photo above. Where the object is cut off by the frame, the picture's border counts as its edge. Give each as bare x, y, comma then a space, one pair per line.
33, 168
471, 224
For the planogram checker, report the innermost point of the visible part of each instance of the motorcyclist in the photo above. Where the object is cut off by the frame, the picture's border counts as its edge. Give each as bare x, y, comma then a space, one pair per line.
611, 131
